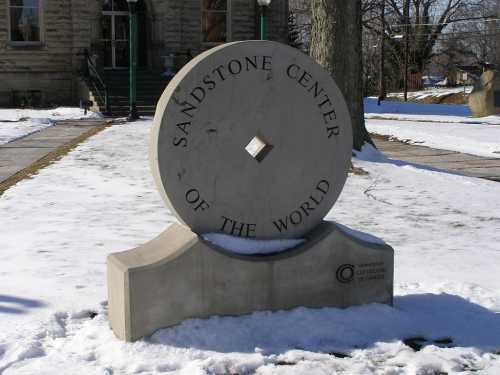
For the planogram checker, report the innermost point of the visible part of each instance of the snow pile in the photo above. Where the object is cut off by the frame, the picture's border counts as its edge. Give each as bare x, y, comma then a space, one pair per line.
55, 114
421, 334
18, 123
58, 227
249, 246
476, 139
434, 92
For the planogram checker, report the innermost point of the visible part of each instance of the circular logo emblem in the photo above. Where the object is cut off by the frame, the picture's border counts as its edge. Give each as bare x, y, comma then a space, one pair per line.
251, 139
345, 273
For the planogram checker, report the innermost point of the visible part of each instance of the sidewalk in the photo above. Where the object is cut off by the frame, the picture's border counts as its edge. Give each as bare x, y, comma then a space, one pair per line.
465, 164
25, 156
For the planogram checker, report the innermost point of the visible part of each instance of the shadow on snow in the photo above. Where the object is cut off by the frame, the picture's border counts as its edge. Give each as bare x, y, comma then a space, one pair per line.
370, 153
17, 305
442, 317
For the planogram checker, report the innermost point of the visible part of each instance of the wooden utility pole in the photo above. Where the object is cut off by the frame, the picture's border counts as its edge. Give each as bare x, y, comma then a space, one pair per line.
497, 36
406, 16
381, 83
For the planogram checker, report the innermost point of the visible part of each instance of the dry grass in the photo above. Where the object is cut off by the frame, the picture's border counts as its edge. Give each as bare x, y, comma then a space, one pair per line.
455, 98
358, 171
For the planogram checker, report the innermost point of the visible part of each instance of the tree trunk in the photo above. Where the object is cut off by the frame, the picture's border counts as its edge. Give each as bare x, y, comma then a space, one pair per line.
381, 66
336, 45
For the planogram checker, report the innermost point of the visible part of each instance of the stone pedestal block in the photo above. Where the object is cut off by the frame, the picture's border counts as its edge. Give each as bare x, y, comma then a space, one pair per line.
178, 275
484, 100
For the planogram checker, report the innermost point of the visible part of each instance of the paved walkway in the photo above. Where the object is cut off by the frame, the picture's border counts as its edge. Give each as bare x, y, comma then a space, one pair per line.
43, 146
28, 154
466, 164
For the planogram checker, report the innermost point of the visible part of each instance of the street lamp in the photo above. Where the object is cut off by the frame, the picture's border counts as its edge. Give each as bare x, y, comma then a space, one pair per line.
264, 4
133, 115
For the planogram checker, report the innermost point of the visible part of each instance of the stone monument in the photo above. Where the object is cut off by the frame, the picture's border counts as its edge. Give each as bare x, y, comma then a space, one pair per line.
253, 140
484, 100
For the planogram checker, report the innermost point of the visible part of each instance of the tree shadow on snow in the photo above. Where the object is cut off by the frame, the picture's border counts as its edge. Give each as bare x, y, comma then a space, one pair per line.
411, 108
370, 153
17, 305
435, 319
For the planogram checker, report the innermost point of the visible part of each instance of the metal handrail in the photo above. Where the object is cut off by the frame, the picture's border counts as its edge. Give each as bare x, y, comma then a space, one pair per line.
94, 78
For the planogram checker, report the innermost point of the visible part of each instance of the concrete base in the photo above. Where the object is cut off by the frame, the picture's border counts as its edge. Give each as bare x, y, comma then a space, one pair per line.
178, 275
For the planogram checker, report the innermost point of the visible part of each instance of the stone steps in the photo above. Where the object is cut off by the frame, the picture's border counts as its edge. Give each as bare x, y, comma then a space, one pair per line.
150, 86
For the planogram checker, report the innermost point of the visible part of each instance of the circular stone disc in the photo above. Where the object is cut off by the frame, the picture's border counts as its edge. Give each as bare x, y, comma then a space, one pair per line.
252, 139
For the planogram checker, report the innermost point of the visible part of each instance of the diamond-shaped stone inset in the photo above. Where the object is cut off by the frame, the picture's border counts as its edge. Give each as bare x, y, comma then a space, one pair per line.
258, 148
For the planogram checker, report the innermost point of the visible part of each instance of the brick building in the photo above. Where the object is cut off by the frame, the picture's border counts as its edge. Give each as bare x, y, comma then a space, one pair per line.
44, 44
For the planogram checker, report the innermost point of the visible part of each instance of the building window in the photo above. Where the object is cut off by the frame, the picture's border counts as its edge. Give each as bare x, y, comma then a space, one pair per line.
214, 21
25, 21
115, 5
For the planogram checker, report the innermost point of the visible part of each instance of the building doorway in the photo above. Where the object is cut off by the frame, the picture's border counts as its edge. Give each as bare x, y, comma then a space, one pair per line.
115, 34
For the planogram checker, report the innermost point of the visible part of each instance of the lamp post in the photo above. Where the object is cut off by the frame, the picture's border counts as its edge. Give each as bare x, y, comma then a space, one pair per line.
133, 115
263, 4
404, 37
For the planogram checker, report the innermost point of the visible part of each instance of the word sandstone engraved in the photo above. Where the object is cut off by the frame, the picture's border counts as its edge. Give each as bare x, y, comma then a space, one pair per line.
210, 81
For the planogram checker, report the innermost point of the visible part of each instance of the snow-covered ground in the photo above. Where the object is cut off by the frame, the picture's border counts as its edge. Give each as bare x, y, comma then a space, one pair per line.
432, 92
57, 228
448, 127
18, 123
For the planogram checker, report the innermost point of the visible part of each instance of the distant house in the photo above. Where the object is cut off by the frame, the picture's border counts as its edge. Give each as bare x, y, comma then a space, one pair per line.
415, 81
45, 44
468, 74
432, 80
